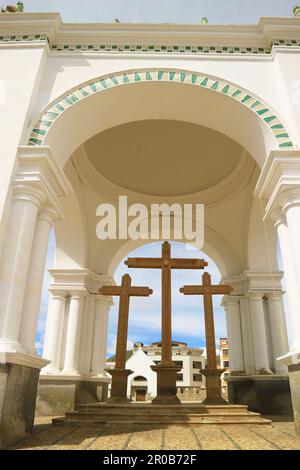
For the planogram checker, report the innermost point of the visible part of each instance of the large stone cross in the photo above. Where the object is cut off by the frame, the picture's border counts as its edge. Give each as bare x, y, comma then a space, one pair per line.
166, 370
212, 373
119, 373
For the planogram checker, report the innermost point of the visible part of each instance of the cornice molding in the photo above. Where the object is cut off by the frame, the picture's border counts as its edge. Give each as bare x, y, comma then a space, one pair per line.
280, 173
255, 282
262, 34
36, 167
77, 280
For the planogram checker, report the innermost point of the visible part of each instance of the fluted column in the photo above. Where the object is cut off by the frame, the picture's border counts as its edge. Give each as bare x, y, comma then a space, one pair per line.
15, 262
260, 348
54, 332
71, 365
102, 306
235, 351
278, 330
290, 276
32, 300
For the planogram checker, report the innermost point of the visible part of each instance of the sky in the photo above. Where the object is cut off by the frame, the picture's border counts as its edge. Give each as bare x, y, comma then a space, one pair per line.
163, 11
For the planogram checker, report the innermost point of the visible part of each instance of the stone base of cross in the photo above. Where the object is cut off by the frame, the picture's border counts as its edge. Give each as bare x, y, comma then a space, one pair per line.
118, 393
213, 387
166, 385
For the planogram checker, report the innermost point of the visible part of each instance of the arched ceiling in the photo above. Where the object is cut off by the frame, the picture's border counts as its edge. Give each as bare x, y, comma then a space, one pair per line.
142, 156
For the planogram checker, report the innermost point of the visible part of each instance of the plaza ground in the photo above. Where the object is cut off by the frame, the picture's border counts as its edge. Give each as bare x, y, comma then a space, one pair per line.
279, 436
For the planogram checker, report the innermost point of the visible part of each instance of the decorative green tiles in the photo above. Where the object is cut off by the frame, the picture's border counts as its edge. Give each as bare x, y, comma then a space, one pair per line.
173, 49
231, 91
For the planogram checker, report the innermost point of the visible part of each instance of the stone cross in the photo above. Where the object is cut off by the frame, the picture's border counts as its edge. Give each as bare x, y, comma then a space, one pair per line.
166, 380
212, 373
119, 373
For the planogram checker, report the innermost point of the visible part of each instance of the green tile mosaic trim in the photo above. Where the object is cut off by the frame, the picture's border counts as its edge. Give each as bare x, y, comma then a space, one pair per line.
257, 106
23, 38
173, 49
148, 48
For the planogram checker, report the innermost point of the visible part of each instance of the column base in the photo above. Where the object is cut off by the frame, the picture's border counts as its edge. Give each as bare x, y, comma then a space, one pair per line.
213, 387
265, 394
19, 376
59, 394
166, 385
292, 361
119, 379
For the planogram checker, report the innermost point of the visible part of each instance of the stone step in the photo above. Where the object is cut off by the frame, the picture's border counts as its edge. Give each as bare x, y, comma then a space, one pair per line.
158, 423
150, 409
157, 416
128, 415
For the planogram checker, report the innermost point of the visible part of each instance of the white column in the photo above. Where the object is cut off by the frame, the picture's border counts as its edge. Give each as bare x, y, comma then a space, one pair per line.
54, 331
235, 350
32, 301
87, 334
247, 335
260, 349
71, 366
290, 276
278, 330
15, 263
102, 306
290, 201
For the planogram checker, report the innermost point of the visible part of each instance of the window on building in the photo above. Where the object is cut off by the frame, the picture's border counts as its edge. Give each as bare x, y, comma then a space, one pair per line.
225, 352
226, 364
178, 364
197, 377
140, 378
197, 365
179, 377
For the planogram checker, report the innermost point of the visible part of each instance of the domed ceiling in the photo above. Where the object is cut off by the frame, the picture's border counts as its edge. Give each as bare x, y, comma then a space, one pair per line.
162, 157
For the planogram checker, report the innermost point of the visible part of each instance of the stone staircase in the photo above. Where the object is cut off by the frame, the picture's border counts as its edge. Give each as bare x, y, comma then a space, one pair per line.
140, 415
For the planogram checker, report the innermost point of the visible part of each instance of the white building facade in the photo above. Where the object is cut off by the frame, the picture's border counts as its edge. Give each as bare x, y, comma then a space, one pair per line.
141, 385
67, 91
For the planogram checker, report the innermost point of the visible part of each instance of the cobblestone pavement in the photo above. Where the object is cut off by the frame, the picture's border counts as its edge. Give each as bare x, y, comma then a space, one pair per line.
279, 436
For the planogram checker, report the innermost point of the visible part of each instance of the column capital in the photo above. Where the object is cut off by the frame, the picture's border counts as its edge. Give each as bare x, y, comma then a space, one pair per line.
274, 296
104, 299
230, 300
77, 294
278, 217
255, 296
48, 214
58, 294
28, 192
289, 198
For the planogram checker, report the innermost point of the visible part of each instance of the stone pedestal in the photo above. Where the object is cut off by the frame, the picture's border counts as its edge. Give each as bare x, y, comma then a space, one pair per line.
166, 385
19, 376
213, 387
269, 395
60, 394
292, 361
294, 376
119, 385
